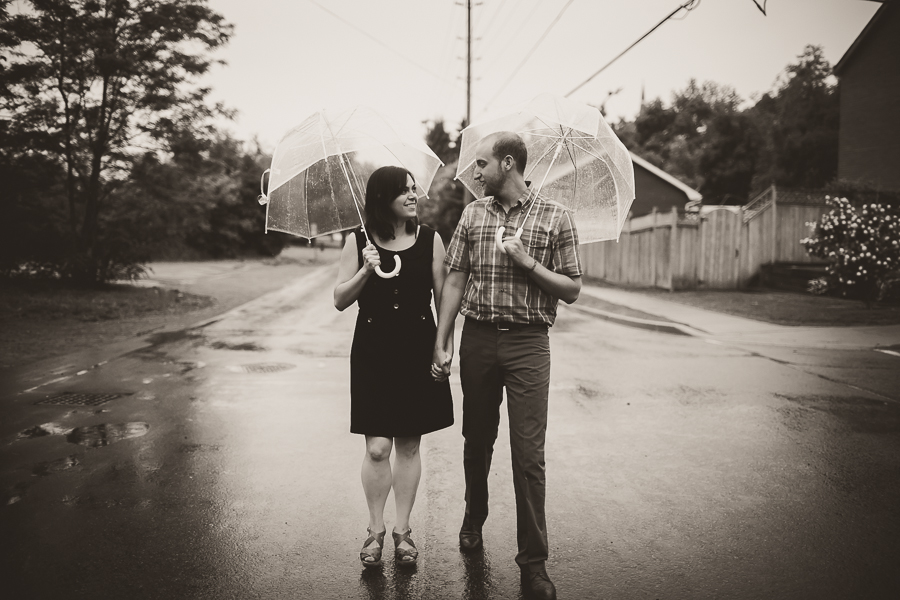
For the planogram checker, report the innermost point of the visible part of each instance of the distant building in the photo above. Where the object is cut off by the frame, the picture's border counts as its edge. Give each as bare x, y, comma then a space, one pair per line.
654, 188
869, 72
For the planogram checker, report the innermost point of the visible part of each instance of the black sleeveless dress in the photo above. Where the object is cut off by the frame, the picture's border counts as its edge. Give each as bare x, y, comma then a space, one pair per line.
392, 392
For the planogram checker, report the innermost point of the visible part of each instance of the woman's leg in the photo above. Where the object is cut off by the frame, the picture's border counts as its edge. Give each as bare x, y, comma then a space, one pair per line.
407, 472
376, 478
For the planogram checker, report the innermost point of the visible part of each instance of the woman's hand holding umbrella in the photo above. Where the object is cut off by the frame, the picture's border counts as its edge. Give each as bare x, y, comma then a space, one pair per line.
371, 260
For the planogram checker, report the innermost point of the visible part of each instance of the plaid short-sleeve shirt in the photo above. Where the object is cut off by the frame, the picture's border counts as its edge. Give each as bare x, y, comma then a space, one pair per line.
497, 290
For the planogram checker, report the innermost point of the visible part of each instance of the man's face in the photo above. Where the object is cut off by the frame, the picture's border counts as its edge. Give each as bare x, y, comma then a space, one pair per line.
488, 171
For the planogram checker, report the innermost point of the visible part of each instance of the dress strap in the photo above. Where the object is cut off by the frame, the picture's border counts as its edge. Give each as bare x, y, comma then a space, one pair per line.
426, 238
360, 244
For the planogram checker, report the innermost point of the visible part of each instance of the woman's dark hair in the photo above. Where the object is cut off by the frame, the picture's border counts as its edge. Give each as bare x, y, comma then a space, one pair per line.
384, 185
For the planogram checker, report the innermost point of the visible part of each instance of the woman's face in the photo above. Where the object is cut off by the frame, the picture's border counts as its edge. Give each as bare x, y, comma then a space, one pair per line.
404, 205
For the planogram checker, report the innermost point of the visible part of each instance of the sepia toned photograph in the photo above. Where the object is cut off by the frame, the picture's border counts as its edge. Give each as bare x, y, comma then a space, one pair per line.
450, 299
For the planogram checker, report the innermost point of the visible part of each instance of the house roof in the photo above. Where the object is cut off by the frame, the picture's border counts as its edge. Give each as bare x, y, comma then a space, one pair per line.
873, 23
692, 194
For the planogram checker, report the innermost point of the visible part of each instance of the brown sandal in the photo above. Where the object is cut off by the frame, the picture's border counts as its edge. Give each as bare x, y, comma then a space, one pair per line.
374, 553
401, 555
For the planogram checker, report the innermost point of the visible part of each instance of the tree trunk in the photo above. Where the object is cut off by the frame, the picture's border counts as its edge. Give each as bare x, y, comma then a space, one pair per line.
89, 227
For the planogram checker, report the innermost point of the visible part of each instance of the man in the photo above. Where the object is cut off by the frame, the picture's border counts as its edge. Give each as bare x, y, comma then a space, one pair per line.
509, 300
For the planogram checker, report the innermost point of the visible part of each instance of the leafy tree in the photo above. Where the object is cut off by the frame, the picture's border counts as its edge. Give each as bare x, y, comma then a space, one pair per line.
446, 198
728, 158
799, 125
702, 138
440, 142
91, 86
201, 203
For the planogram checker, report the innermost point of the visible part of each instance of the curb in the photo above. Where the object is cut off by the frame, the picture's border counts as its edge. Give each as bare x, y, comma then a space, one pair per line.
647, 324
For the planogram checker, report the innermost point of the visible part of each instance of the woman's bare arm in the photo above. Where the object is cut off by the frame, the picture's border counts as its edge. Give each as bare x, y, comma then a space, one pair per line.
351, 277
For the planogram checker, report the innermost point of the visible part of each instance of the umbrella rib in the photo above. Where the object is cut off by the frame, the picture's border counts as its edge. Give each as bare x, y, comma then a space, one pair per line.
538, 161
586, 151
598, 157
347, 120
574, 166
555, 136
615, 183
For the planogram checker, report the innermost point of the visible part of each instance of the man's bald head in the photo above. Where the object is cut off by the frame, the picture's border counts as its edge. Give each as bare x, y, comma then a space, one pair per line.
507, 143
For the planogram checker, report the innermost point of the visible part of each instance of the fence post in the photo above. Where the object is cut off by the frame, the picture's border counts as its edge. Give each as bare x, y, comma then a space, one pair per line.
674, 254
739, 235
654, 245
775, 250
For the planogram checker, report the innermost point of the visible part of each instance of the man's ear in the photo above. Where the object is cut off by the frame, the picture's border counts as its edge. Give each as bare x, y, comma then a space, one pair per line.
508, 162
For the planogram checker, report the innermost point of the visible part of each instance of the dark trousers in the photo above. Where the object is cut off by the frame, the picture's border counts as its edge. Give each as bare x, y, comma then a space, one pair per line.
518, 360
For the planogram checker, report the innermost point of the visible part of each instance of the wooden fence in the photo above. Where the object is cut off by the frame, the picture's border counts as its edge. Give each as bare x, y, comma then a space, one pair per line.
720, 248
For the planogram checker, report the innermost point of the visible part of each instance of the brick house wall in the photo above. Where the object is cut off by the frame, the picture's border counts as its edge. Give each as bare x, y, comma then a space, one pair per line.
869, 143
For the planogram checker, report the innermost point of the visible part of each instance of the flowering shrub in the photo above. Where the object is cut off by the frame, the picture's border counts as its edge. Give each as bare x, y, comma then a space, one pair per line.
862, 247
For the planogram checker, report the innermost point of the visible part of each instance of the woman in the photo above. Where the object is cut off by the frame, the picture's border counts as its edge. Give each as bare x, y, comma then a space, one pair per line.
393, 397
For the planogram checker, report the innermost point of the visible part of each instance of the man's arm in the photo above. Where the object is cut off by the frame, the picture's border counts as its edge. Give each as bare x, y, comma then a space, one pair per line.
451, 300
557, 285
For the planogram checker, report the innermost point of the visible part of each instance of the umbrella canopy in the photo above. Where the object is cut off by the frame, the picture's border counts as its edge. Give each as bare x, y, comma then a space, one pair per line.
574, 158
320, 168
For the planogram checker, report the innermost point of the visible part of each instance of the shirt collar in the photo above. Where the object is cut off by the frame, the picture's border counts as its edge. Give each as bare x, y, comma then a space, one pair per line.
523, 200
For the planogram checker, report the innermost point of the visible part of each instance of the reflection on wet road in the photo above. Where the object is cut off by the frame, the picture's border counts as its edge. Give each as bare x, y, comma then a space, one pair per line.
676, 469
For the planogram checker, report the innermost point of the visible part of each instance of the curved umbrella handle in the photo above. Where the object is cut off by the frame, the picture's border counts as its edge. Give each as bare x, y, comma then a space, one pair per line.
393, 273
263, 199
499, 238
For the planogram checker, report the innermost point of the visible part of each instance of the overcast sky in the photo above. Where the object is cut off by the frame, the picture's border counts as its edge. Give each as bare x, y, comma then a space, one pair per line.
289, 58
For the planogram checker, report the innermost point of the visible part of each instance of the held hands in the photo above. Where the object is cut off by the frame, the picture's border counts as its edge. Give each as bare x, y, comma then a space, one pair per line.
440, 362
370, 258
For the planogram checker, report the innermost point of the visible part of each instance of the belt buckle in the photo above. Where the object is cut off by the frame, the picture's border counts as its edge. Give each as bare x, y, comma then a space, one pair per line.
503, 326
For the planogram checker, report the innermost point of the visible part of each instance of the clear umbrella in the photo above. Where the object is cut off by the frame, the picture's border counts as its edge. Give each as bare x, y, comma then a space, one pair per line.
574, 158
319, 169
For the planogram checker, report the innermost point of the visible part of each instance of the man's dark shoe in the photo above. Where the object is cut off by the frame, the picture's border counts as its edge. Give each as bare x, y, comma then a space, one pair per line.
536, 584
470, 539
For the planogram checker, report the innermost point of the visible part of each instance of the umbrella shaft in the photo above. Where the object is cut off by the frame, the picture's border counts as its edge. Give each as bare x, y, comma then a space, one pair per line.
356, 202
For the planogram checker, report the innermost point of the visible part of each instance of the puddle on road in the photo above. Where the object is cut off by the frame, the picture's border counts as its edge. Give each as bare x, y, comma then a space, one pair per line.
92, 436
861, 414
97, 436
192, 448
167, 337
246, 346
43, 430
55, 466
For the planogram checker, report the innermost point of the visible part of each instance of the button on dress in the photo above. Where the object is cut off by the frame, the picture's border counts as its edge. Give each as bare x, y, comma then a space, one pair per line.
392, 392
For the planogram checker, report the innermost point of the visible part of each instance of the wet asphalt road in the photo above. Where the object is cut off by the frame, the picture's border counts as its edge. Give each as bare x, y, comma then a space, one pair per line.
676, 469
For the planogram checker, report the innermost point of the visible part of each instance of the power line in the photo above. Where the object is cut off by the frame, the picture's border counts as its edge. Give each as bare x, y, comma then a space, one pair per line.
530, 52
494, 39
493, 18
448, 51
689, 6
382, 44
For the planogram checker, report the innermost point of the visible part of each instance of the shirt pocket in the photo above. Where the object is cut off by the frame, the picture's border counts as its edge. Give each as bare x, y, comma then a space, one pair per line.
537, 244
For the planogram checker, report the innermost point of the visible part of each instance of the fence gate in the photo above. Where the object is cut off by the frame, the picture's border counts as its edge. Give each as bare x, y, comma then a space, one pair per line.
720, 252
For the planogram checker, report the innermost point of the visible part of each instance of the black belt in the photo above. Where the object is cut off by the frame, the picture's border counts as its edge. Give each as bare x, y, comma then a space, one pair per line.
504, 325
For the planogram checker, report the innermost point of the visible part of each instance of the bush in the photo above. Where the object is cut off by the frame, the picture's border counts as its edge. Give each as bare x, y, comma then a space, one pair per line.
862, 247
